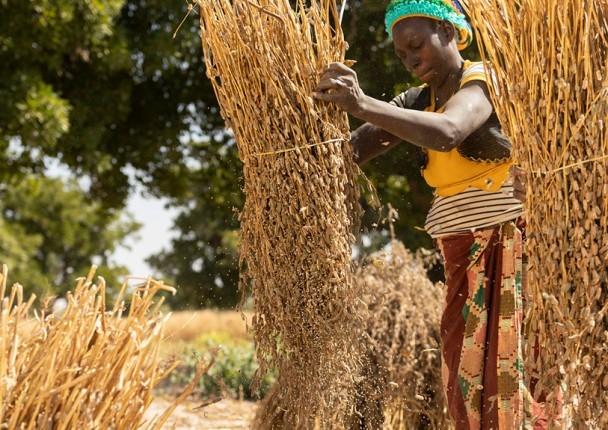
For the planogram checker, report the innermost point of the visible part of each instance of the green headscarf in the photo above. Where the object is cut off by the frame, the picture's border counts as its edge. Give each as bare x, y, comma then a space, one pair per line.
440, 10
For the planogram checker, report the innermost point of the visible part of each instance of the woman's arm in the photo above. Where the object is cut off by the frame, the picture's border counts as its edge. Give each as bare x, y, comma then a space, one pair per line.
464, 113
369, 141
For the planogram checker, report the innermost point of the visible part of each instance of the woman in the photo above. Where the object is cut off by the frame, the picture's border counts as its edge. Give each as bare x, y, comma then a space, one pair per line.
475, 218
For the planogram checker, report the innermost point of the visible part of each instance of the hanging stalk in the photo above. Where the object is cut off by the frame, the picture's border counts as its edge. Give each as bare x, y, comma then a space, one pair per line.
301, 209
550, 60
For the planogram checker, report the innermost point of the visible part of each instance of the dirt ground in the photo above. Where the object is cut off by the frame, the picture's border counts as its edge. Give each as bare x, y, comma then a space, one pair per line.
223, 415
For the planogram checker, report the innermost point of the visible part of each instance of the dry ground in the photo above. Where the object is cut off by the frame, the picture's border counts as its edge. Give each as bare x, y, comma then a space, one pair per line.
186, 326
224, 415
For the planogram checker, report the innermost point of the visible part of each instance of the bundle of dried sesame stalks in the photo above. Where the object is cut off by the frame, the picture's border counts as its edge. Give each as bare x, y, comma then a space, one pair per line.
86, 368
301, 207
551, 58
401, 385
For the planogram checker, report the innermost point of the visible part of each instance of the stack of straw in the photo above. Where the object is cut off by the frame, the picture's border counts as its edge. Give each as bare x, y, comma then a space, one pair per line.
552, 97
401, 385
86, 368
301, 205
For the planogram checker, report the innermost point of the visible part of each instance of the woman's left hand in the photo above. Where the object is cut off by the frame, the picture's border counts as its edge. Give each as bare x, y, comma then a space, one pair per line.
519, 183
339, 84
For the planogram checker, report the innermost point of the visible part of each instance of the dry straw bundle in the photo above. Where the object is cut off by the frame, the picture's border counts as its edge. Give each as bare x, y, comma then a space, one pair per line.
84, 369
550, 59
301, 206
401, 386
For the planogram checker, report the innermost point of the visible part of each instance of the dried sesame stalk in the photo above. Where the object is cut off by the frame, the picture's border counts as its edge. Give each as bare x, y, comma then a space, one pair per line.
550, 59
87, 368
301, 207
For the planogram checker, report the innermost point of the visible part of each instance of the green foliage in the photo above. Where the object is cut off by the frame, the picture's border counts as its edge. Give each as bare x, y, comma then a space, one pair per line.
52, 234
18, 250
235, 365
47, 111
40, 41
101, 86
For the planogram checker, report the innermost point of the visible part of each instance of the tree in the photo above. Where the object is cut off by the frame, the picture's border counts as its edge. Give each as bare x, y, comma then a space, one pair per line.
52, 234
102, 87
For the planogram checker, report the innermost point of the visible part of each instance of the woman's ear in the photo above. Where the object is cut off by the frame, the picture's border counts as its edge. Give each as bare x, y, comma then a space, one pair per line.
448, 29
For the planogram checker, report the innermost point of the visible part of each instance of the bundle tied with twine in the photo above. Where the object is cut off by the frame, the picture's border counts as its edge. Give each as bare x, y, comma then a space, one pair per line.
400, 388
550, 60
87, 368
300, 184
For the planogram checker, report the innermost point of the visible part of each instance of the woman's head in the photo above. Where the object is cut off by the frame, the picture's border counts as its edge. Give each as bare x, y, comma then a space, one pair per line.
438, 10
427, 48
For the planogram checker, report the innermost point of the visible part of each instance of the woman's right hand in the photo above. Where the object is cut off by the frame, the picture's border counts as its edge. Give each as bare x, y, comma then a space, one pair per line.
338, 84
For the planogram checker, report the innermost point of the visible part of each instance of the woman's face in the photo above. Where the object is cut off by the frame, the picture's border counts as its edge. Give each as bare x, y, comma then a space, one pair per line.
423, 45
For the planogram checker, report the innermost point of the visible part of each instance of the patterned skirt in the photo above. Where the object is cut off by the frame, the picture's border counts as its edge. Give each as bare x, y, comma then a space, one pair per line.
481, 331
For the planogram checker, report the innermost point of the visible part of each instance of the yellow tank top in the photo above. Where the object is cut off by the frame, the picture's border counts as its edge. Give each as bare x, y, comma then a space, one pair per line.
449, 172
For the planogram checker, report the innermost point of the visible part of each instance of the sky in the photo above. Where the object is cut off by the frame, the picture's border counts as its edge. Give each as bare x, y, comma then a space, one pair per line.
154, 235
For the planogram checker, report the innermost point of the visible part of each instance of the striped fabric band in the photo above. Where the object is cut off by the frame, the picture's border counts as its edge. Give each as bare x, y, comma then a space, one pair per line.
472, 209
475, 70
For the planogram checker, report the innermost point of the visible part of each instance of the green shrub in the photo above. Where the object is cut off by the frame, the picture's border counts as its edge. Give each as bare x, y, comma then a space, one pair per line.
230, 375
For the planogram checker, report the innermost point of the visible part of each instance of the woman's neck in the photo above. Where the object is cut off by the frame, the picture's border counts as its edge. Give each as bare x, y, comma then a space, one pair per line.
450, 84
